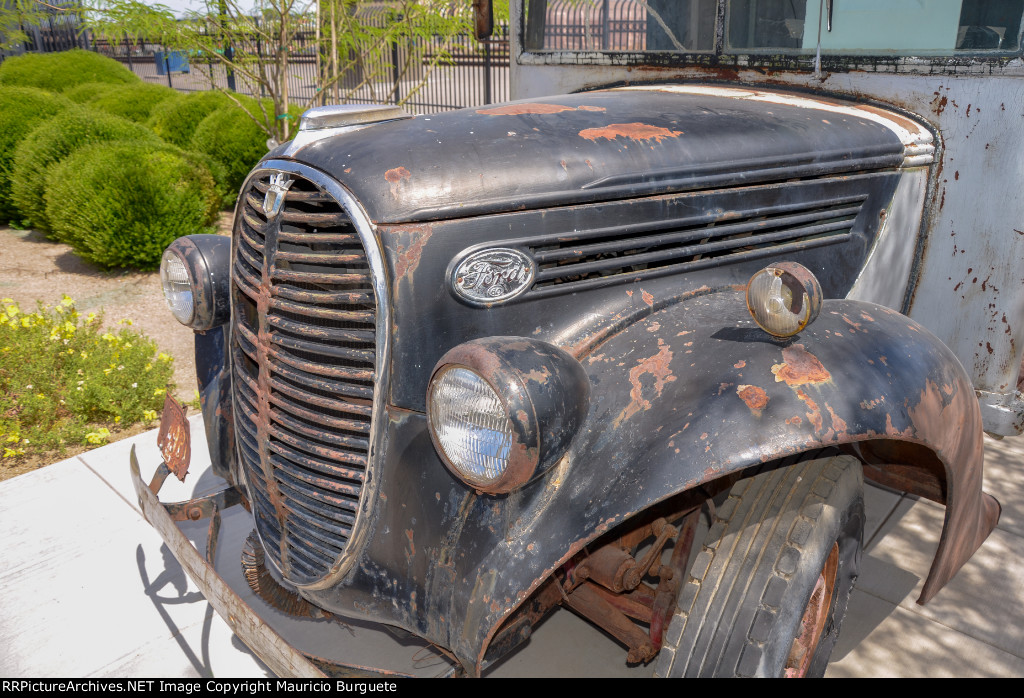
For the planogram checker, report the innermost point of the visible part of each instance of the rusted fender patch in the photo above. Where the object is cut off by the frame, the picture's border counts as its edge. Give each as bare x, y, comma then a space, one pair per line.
656, 366
800, 367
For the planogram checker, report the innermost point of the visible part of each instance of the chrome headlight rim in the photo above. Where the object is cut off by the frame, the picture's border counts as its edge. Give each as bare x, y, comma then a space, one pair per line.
171, 258
206, 260
515, 470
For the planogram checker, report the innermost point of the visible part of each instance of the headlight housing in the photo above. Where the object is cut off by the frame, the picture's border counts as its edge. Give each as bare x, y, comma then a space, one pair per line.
502, 410
195, 273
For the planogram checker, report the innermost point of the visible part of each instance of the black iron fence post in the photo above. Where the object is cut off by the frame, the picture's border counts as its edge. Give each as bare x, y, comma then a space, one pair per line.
128, 50
229, 53
488, 97
396, 71
167, 66
605, 26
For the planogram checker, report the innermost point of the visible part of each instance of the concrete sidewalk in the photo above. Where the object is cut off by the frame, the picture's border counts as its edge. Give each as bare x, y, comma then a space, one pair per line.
89, 589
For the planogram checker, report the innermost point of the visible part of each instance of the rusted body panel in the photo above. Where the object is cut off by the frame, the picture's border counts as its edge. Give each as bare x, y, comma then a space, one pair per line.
596, 146
213, 370
451, 564
429, 319
973, 103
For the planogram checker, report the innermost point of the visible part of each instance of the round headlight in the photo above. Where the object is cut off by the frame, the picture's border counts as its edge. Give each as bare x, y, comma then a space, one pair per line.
503, 410
196, 275
784, 298
470, 425
177, 287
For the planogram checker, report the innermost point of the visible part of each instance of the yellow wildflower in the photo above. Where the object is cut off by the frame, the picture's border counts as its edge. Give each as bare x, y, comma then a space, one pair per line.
97, 437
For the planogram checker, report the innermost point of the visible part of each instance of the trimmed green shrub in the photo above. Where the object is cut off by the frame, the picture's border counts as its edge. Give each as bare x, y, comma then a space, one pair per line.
225, 194
82, 94
61, 71
132, 102
229, 136
121, 204
21, 111
176, 119
73, 128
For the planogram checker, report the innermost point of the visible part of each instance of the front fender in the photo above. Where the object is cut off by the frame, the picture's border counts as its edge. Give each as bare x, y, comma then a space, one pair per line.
695, 391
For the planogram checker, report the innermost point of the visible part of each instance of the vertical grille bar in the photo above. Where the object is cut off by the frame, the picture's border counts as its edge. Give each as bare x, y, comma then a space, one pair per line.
304, 354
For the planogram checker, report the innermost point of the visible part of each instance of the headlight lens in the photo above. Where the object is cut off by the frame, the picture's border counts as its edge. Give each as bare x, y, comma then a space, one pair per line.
784, 298
470, 424
177, 287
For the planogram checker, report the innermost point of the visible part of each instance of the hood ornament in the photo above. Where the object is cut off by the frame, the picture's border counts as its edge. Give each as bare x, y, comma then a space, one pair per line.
273, 201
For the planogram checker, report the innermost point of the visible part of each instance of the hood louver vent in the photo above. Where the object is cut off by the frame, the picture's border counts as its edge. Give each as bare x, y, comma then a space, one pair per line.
625, 254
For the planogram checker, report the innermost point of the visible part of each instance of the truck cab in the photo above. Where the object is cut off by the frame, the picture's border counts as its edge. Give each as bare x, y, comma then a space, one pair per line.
630, 343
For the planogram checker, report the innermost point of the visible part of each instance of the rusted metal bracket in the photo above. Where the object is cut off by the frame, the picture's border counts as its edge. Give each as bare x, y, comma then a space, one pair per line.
606, 587
280, 656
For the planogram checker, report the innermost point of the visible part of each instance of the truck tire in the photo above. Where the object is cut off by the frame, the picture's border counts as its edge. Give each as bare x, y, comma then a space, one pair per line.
780, 538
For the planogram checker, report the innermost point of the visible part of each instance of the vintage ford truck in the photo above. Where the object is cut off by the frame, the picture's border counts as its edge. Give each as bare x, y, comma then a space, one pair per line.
467, 367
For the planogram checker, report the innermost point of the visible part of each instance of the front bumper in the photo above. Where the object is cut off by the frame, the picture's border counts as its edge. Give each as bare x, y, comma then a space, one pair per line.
279, 654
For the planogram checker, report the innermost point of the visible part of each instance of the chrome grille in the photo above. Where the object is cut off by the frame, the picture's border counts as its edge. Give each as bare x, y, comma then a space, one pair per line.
304, 359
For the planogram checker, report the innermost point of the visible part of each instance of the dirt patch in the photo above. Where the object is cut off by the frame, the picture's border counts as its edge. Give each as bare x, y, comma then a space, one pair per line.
34, 269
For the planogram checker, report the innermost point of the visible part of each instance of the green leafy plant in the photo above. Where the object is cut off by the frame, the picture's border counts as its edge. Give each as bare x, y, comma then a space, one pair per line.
55, 140
121, 204
21, 110
67, 381
233, 139
133, 102
177, 119
87, 91
61, 71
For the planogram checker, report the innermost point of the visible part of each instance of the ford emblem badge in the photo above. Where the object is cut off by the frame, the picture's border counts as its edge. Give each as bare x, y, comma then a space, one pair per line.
493, 275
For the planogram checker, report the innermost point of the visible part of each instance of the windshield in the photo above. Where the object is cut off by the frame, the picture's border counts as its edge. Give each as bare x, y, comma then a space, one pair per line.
793, 27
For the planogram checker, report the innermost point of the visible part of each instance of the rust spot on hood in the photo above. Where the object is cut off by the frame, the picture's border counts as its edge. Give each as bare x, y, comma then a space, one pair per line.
395, 176
657, 366
635, 131
755, 397
528, 108
800, 367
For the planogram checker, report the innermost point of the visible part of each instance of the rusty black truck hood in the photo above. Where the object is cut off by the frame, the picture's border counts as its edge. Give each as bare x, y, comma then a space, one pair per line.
603, 145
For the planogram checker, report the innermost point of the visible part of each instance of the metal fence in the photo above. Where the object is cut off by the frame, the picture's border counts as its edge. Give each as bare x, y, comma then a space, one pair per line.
470, 73
60, 31
595, 25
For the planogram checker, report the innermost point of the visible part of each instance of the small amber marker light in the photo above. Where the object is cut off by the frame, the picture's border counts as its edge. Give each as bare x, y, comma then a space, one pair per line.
784, 298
